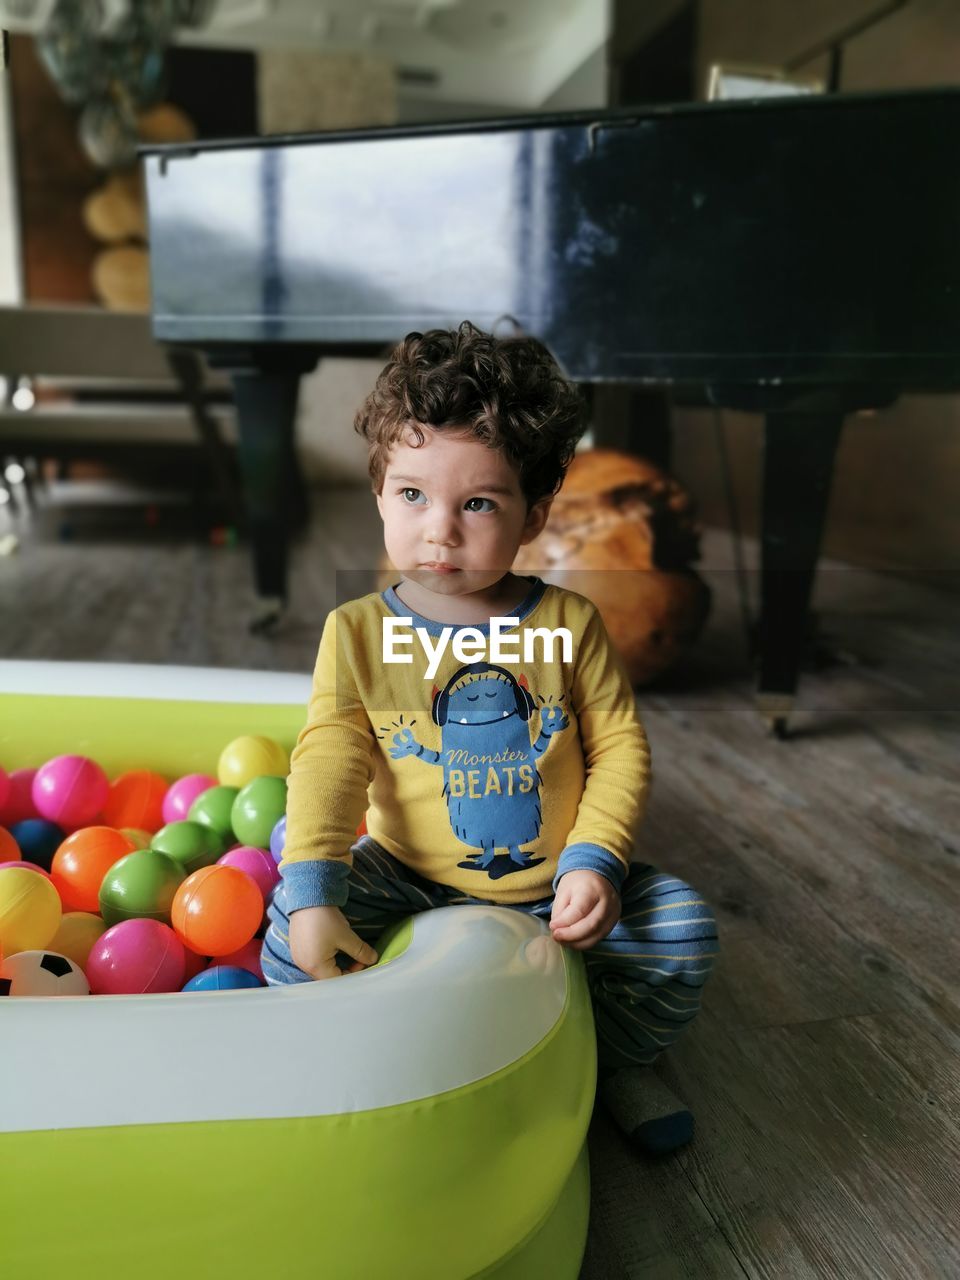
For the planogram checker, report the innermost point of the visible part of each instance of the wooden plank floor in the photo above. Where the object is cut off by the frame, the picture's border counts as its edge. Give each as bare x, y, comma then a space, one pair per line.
824, 1071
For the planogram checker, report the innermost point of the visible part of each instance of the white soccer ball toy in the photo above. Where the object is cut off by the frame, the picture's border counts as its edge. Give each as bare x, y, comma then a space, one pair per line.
41, 973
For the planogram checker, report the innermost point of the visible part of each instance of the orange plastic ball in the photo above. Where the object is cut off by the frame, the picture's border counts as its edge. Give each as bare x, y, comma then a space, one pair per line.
136, 800
82, 861
217, 910
9, 849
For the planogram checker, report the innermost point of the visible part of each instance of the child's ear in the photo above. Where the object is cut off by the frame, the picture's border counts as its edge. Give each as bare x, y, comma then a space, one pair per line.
379, 498
536, 519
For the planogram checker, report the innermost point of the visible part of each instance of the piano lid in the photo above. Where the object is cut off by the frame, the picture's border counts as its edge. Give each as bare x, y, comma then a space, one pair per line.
796, 241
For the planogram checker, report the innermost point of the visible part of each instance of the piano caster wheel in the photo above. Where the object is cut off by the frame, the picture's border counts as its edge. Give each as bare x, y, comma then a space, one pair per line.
775, 709
267, 616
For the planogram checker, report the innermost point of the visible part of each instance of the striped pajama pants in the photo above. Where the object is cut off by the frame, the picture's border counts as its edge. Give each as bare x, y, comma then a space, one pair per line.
645, 977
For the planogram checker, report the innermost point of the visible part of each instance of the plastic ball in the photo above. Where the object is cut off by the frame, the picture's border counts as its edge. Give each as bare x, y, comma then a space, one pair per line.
251, 757
38, 839
82, 861
30, 910
9, 849
30, 866
257, 863
278, 838
4, 787
222, 977
136, 800
78, 931
246, 957
136, 957
141, 838
216, 910
42, 973
182, 793
213, 809
70, 790
189, 843
257, 809
193, 964
142, 884
19, 802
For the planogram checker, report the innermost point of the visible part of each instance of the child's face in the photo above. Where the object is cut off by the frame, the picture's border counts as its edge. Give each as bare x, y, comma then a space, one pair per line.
454, 502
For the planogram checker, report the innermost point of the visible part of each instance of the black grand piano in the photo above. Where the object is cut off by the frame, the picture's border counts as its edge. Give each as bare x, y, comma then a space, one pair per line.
799, 258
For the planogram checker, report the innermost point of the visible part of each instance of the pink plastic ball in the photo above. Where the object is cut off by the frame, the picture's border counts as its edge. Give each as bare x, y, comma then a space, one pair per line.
136, 957
19, 802
70, 790
257, 863
182, 793
4, 787
245, 957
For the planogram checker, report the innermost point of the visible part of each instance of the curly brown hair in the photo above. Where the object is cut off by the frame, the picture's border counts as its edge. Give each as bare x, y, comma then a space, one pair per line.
508, 392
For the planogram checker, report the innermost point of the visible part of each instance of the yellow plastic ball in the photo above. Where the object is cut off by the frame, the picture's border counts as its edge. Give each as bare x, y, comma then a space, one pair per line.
30, 910
78, 931
251, 757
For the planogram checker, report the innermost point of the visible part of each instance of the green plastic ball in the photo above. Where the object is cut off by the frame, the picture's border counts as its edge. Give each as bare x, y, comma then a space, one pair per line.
257, 810
212, 809
142, 884
190, 844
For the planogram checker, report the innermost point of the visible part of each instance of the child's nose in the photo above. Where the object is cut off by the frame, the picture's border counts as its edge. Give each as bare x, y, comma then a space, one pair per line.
443, 529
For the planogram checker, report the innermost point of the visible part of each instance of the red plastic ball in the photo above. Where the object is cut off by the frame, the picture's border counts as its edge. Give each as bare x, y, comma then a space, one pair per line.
19, 802
245, 957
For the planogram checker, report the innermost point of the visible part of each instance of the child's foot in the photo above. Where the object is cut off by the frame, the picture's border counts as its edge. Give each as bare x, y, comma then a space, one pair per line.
652, 1117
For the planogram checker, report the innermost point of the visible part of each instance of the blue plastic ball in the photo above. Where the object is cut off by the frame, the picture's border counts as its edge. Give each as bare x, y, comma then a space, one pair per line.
38, 839
278, 838
223, 977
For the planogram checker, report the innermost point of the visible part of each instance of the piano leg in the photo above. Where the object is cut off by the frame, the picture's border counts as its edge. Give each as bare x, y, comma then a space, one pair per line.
273, 489
799, 450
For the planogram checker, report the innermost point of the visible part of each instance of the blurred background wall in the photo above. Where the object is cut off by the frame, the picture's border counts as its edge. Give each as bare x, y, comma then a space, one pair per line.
896, 492
280, 68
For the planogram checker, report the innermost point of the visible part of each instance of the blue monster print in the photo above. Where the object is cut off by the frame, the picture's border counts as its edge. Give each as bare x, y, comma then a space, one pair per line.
490, 777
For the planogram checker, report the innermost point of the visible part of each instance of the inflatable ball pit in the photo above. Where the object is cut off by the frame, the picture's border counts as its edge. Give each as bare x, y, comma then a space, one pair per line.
425, 1118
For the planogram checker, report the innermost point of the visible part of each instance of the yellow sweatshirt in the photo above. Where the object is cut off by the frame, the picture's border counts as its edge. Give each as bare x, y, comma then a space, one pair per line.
493, 776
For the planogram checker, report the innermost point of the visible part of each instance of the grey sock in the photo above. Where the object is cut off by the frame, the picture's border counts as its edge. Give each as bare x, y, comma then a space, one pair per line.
649, 1113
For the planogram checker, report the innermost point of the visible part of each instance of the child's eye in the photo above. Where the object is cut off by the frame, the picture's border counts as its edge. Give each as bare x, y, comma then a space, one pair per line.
412, 501
491, 505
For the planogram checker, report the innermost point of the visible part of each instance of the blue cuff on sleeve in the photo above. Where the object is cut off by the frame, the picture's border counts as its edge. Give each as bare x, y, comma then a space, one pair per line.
591, 857
317, 882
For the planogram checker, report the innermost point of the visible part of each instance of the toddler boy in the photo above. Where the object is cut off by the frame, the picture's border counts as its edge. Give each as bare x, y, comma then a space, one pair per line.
518, 782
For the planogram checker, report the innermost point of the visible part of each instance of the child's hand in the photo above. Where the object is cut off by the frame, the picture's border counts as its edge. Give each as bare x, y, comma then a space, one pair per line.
317, 934
586, 908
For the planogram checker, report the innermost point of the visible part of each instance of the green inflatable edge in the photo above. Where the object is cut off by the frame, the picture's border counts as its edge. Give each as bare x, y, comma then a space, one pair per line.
436, 1189
172, 737
232, 1199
